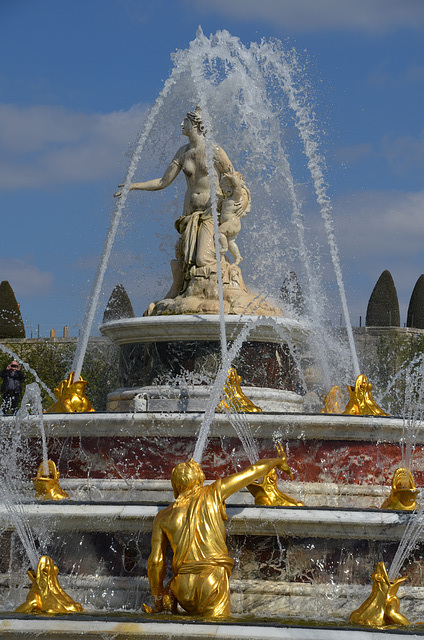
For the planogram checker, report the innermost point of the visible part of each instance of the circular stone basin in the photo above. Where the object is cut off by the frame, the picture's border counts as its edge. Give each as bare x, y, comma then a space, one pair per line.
204, 327
165, 350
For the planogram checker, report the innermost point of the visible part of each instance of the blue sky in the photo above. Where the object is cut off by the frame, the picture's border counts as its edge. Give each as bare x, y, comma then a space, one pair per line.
77, 79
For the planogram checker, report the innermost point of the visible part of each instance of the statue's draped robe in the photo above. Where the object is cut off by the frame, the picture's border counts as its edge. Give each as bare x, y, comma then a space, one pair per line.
201, 563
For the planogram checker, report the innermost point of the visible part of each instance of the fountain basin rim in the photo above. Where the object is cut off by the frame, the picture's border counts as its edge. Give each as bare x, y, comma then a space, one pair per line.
98, 626
299, 522
290, 426
198, 327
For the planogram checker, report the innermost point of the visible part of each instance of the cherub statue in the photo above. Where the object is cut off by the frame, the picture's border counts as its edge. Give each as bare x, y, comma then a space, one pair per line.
235, 205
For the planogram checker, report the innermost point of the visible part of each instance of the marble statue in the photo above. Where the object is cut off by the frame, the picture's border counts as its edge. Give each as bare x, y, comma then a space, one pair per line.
194, 269
235, 205
194, 527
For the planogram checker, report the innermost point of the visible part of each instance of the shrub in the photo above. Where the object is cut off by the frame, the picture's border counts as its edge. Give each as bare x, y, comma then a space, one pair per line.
383, 305
11, 323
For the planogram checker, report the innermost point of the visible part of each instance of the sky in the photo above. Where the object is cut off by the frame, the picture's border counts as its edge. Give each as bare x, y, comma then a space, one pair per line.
77, 80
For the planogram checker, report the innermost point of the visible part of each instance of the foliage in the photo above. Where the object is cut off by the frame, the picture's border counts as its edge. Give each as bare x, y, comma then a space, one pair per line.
395, 352
291, 294
11, 323
383, 305
415, 317
52, 361
118, 306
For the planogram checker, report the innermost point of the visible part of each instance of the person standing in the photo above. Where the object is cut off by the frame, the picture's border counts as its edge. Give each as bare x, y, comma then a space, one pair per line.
11, 387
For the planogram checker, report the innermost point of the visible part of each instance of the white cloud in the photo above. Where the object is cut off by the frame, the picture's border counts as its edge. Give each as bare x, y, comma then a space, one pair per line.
43, 145
388, 223
317, 15
25, 278
378, 230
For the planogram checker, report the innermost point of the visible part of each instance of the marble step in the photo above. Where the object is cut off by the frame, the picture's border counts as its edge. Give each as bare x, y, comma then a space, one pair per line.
73, 628
286, 521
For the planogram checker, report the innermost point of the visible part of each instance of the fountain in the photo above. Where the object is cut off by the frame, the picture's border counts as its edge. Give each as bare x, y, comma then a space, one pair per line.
302, 564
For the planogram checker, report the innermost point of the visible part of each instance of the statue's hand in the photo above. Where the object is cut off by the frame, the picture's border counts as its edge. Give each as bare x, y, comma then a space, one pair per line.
283, 466
118, 194
238, 209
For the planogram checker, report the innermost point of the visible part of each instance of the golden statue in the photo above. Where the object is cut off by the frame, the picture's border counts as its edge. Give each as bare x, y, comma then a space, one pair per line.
71, 397
361, 401
381, 608
233, 398
46, 595
267, 493
47, 486
332, 400
403, 495
194, 527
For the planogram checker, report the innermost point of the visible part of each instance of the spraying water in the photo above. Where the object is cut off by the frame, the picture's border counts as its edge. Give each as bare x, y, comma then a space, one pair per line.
413, 410
31, 406
408, 542
245, 93
220, 379
113, 227
28, 368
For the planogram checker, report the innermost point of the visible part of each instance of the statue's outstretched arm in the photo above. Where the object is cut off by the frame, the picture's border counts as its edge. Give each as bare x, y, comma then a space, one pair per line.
239, 480
157, 184
156, 565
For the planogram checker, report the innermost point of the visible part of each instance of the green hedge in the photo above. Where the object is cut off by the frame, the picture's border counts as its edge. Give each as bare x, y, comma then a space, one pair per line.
52, 361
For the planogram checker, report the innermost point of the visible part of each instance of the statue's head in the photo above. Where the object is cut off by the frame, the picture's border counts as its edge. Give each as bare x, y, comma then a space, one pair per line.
186, 476
195, 118
362, 385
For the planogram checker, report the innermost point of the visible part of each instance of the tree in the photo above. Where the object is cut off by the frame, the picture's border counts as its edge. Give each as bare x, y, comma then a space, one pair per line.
11, 323
118, 306
383, 305
415, 317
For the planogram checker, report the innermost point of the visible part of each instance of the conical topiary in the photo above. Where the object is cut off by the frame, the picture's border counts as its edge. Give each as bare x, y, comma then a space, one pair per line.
291, 293
11, 323
383, 305
415, 317
118, 306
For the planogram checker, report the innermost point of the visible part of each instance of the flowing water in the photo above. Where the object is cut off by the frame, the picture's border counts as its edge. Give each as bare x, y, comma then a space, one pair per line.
26, 366
250, 98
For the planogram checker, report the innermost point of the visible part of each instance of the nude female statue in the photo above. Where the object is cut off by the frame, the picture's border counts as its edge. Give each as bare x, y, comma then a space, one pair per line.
196, 224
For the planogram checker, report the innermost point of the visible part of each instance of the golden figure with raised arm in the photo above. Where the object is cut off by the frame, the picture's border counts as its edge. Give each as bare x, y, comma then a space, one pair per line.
194, 527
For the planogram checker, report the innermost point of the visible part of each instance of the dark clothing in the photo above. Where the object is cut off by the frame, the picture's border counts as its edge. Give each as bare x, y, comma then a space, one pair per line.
11, 389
